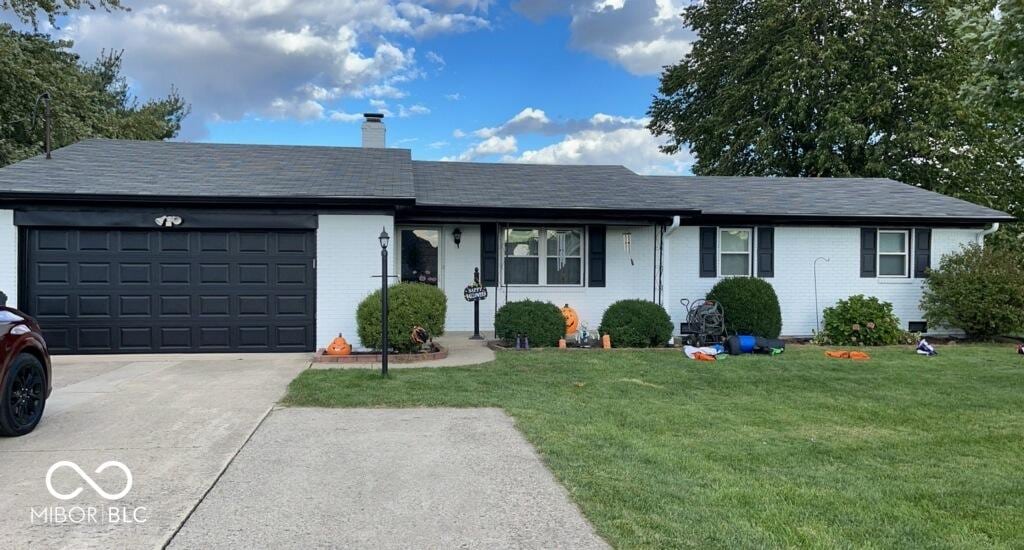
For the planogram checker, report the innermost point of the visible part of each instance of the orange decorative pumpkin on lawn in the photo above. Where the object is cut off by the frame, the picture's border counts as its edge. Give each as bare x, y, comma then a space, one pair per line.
572, 321
339, 346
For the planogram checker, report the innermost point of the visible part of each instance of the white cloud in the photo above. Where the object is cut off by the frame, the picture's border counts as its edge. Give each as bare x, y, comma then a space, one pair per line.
297, 109
526, 121
453, 97
600, 139
535, 121
437, 144
341, 116
494, 145
634, 148
276, 58
641, 35
458, 134
412, 111
436, 59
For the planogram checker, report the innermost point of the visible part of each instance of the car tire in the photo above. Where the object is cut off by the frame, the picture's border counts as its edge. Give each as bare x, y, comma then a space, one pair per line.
23, 396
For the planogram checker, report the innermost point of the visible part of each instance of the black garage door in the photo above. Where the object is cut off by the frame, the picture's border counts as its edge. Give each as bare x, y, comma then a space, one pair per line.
139, 291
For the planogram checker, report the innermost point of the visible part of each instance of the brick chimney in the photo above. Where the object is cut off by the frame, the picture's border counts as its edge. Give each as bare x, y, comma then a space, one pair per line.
373, 130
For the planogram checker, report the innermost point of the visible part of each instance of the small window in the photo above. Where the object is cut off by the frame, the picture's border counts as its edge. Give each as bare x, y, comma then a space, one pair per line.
892, 253
565, 256
544, 256
522, 256
734, 252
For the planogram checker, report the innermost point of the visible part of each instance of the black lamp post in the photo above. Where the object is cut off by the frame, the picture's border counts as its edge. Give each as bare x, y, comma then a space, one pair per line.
384, 238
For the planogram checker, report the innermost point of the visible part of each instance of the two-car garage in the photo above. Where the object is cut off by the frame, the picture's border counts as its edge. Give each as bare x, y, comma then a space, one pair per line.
137, 290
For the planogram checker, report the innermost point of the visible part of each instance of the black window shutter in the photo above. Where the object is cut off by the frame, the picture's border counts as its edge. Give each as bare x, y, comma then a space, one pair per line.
765, 251
489, 254
868, 251
922, 252
596, 252
708, 251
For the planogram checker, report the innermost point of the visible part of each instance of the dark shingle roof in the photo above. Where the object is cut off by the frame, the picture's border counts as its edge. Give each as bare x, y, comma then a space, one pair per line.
526, 185
817, 197
141, 168
469, 184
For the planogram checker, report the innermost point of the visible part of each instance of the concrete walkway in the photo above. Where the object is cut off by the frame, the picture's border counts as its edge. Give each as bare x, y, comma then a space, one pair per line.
174, 421
385, 478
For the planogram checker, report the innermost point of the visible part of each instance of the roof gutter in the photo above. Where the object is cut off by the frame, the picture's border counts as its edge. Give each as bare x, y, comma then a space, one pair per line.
986, 232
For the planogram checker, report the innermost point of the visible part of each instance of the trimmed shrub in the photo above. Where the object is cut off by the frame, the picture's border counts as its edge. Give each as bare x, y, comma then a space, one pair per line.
978, 290
750, 304
541, 322
636, 324
861, 321
409, 305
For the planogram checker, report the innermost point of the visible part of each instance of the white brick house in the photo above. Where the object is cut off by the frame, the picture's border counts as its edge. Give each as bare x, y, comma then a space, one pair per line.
125, 246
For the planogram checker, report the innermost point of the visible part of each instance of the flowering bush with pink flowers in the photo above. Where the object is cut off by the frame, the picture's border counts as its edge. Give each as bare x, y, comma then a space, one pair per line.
862, 321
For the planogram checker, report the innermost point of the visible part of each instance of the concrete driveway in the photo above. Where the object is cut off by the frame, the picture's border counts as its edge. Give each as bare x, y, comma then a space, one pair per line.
174, 422
387, 478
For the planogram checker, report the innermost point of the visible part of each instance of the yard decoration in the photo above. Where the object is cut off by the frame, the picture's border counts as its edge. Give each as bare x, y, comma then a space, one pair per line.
924, 348
419, 335
606, 342
339, 346
572, 320
844, 354
561, 343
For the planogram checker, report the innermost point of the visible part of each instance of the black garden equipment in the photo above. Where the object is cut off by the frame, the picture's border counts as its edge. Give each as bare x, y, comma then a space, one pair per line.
705, 322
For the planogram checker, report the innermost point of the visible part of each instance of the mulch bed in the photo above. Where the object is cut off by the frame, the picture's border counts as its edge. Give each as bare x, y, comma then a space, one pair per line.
436, 352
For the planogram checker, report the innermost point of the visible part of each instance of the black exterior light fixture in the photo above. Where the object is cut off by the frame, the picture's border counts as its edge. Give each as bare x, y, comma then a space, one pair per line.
384, 238
457, 236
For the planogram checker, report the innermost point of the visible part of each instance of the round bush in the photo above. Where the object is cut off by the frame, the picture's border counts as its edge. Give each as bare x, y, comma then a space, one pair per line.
861, 321
541, 322
978, 290
750, 304
636, 324
409, 305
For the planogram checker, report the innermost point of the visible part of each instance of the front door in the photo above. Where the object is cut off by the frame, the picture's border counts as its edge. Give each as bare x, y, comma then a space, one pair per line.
419, 249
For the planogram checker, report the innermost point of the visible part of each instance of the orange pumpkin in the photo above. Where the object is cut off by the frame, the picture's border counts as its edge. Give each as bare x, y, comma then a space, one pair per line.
572, 320
339, 346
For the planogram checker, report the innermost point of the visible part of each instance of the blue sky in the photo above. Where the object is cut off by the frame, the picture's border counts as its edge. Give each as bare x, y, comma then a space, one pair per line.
532, 81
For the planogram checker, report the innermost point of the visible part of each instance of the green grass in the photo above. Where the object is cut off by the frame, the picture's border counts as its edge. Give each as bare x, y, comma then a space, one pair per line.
795, 450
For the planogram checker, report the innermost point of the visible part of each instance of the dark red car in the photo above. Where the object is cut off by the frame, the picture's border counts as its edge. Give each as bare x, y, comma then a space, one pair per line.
24, 373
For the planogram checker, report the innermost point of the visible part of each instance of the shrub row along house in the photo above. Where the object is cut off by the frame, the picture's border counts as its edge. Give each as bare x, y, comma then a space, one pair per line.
126, 246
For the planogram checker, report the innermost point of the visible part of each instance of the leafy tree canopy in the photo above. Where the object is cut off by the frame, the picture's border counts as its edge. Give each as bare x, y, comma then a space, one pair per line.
835, 88
88, 99
28, 10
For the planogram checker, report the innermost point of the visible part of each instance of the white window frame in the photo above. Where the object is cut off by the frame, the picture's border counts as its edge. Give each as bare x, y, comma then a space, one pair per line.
905, 254
749, 253
542, 254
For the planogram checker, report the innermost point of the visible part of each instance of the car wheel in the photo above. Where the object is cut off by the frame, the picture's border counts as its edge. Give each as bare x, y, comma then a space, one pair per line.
23, 397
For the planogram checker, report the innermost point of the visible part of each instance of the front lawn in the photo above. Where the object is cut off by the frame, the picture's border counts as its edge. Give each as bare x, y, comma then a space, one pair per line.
795, 450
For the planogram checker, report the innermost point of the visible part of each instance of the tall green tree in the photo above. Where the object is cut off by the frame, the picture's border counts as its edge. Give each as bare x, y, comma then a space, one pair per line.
87, 99
834, 88
993, 32
28, 10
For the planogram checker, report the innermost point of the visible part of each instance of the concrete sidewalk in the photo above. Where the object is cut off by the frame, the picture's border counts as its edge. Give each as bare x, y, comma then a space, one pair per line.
386, 478
174, 421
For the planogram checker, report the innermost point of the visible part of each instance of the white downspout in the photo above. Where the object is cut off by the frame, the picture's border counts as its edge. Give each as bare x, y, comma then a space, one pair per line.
675, 225
986, 232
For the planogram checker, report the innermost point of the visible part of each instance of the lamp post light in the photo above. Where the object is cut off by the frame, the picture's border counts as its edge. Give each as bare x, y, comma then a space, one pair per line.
384, 238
